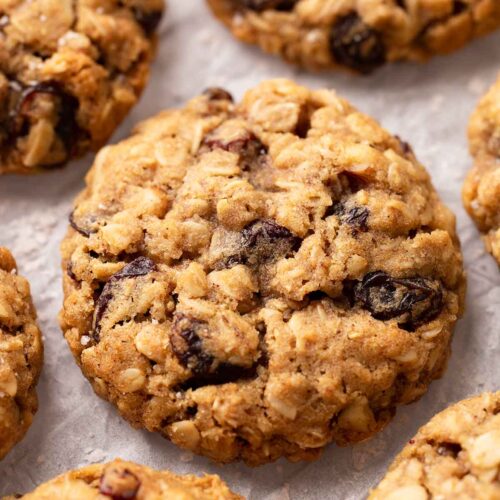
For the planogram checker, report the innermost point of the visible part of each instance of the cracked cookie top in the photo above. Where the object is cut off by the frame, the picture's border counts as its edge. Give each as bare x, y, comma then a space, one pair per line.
481, 192
357, 35
256, 280
21, 354
70, 70
121, 480
455, 455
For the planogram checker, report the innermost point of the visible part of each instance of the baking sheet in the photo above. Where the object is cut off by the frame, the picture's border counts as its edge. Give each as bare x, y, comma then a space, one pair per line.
426, 105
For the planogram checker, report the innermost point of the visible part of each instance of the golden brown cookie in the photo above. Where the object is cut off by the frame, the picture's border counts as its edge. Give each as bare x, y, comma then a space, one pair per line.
456, 456
70, 70
481, 192
256, 280
21, 354
121, 480
358, 35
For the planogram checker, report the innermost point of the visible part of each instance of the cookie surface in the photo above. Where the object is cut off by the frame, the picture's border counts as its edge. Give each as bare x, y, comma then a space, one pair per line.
256, 280
69, 73
128, 481
455, 456
21, 354
481, 193
360, 36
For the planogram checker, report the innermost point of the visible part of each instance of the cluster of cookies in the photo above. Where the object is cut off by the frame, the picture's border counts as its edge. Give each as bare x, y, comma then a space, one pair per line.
250, 280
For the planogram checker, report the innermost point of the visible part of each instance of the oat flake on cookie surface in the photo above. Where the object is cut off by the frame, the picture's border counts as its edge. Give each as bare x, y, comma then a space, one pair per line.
456, 456
120, 480
481, 192
21, 354
359, 35
70, 70
257, 280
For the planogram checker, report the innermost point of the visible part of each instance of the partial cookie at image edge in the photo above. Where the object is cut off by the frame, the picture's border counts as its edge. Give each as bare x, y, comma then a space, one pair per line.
481, 189
126, 480
21, 355
455, 455
69, 74
361, 38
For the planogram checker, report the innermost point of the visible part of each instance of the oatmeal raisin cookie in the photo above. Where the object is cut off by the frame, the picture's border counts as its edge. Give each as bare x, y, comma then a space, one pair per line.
257, 280
359, 35
70, 70
481, 193
456, 456
121, 480
21, 354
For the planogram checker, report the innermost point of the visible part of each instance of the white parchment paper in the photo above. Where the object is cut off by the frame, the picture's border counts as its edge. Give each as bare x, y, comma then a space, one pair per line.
426, 105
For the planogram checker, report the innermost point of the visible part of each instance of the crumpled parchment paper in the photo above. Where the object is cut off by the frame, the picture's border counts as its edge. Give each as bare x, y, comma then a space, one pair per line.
427, 105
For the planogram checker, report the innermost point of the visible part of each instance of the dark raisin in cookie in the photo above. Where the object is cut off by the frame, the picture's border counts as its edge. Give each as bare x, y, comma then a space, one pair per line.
455, 456
358, 36
481, 192
21, 354
70, 70
257, 280
119, 480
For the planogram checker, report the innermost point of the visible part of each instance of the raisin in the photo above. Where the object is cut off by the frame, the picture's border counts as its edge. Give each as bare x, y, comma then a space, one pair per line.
264, 241
85, 226
191, 411
138, 267
405, 147
413, 301
261, 242
10, 329
16, 122
252, 152
225, 373
66, 128
357, 217
245, 144
7, 110
260, 5
459, 7
187, 345
303, 123
218, 94
317, 295
268, 239
264, 353
356, 45
119, 484
449, 449
253, 156
149, 21
233, 260
89, 223
69, 271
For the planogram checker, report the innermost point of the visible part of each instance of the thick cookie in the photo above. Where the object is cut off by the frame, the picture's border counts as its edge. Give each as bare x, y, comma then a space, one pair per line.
70, 70
259, 279
360, 36
455, 456
481, 193
21, 354
121, 480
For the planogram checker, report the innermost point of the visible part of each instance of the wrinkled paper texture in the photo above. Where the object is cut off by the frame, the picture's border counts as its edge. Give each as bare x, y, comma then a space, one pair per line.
427, 105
